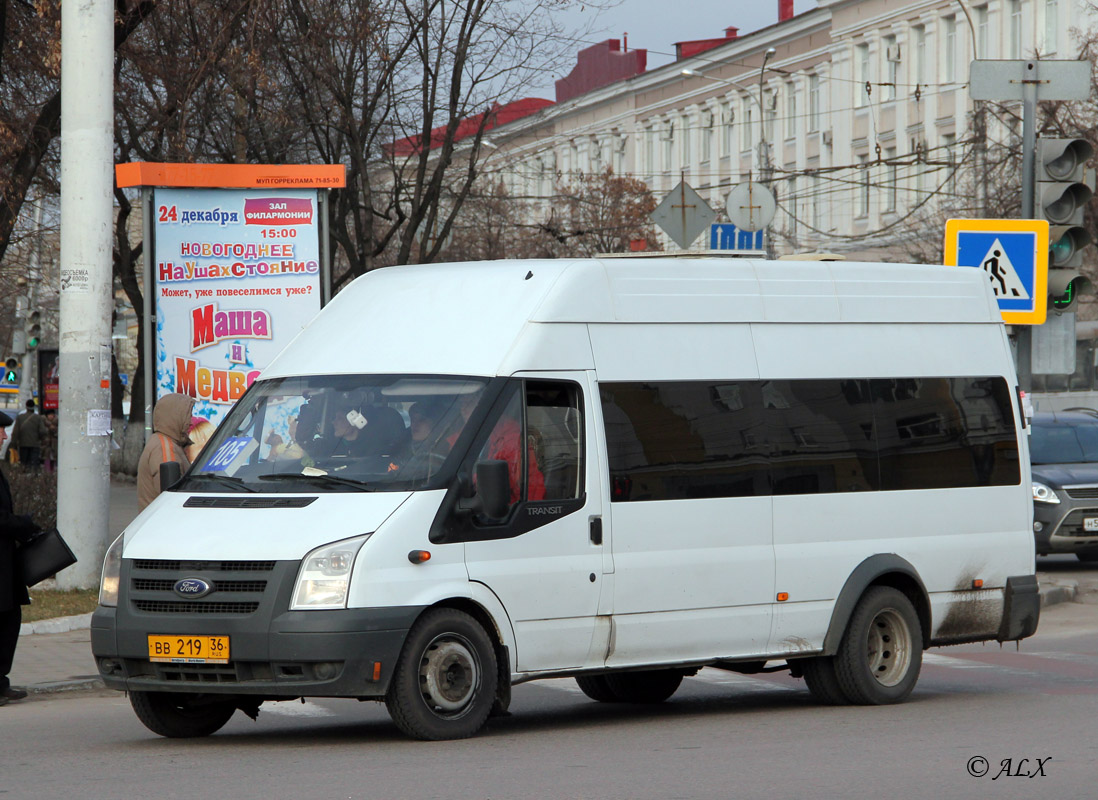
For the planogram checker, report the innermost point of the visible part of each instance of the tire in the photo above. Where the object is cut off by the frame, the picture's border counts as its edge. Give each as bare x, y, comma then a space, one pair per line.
444, 684
651, 686
819, 676
180, 715
881, 651
597, 687
1088, 556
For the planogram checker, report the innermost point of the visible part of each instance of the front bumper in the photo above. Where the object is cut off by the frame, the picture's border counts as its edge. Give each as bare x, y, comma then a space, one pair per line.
273, 652
1061, 524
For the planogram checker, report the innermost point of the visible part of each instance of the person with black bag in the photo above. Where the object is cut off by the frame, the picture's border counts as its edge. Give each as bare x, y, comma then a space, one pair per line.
14, 530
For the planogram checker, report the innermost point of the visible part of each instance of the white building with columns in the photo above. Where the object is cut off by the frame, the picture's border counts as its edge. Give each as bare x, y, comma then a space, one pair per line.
862, 105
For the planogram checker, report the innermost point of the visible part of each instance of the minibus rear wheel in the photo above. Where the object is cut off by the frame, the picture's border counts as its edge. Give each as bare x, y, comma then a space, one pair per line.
881, 651
444, 683
819, 676
650, 686
597, 687
181, 715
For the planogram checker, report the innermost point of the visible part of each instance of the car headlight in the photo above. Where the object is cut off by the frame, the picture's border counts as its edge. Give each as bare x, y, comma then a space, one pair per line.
112, 573
325, 575
1043, 494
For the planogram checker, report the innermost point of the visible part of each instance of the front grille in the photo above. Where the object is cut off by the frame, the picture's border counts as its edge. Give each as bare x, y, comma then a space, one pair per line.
204, 566
193, 607
1082, 492
159, 585
197, 673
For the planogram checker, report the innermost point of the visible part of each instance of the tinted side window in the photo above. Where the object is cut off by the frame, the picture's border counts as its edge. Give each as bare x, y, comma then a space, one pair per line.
676, 441
937, 433
821, 436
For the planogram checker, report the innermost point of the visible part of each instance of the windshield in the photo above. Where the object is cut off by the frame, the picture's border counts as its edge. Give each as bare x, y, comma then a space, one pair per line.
1063, 444
337, 433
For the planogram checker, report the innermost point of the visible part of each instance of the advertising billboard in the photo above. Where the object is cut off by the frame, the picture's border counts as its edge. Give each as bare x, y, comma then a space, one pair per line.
237, 274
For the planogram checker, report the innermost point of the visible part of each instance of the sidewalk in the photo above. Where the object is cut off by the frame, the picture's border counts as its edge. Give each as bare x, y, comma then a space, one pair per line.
54, 655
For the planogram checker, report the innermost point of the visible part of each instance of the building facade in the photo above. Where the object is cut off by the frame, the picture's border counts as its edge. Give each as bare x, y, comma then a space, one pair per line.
857, 113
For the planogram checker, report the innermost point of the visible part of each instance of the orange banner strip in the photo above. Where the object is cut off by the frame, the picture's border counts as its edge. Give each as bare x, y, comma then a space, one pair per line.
232, 176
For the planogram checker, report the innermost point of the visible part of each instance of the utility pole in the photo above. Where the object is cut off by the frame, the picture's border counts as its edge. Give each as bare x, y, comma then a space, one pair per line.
87, 180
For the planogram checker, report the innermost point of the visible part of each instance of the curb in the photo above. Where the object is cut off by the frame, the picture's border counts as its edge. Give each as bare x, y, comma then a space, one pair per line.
57, 625
1054, 593
58, 687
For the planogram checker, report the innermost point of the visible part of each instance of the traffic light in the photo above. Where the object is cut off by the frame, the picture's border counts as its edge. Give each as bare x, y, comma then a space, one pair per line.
34, 329
1064, 187
11, 371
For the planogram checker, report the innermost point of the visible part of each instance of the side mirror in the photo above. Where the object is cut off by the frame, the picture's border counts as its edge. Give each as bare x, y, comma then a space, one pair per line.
170, 474
494, 488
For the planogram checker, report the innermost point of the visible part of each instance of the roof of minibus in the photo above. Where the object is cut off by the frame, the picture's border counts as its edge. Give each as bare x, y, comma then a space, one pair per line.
464, 318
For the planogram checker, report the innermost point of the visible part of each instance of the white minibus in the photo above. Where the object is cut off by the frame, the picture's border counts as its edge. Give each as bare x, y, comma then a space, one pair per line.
462, 477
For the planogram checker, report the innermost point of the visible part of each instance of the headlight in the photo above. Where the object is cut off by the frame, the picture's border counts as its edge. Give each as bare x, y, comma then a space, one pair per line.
1043, 494
325, 575
112, 572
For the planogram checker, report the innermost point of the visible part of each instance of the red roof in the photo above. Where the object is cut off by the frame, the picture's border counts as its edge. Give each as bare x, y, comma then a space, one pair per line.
499, 115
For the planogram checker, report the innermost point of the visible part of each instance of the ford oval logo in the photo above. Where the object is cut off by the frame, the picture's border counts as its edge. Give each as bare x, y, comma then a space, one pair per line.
192, 588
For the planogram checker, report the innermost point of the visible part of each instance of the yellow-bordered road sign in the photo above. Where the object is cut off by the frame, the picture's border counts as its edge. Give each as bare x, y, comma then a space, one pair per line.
1014, 255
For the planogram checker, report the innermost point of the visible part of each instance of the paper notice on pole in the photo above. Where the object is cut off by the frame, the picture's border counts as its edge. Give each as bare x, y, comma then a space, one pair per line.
99, 422
76, 279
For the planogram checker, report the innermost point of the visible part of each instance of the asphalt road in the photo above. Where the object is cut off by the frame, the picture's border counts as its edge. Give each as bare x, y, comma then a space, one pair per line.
721, 736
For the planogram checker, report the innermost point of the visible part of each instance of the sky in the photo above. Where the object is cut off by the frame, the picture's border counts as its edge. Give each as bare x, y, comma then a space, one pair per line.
657, 24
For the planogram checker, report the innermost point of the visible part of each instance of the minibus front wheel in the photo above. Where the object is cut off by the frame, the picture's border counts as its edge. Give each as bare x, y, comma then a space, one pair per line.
444, 683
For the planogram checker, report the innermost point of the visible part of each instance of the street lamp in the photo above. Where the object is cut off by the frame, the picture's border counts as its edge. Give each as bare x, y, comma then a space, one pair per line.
763, 151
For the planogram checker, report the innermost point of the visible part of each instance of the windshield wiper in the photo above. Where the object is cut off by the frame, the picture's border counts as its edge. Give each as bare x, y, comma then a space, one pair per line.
361, 486
227, 480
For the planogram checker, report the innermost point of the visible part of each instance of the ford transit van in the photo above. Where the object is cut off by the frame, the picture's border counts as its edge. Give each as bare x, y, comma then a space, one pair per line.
462, 477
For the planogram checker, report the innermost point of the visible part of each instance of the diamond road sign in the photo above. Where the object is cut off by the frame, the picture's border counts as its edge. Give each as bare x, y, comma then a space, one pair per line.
1014, 255
683, 215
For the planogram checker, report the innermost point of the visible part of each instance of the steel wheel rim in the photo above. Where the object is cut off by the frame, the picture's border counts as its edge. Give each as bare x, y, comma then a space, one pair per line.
888, 647
449, 675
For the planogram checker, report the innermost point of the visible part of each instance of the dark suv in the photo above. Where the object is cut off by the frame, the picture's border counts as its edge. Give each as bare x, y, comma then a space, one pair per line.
1063, 446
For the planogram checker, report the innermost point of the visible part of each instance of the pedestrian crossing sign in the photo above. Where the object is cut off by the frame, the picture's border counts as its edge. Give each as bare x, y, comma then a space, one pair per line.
1013, 253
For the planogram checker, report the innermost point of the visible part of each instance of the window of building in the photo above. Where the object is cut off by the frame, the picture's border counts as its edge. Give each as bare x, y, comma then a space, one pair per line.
1014, 10
863, 186
862, 59
949, 49
813, 102
919, 33
726, 128
649, 151
892, 176
706, 439
1052, 25
892, 64
791, 205
706, 133
668, 140
686, 134
980, 13
949, 151
770, 103
791, 122
817, 202
746, 130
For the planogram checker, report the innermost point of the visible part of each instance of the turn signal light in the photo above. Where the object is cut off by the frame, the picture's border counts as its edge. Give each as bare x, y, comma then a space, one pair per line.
783, 596
419, 556
977, 583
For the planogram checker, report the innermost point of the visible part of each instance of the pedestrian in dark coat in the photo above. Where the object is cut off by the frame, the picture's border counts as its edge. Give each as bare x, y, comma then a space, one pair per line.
14, 529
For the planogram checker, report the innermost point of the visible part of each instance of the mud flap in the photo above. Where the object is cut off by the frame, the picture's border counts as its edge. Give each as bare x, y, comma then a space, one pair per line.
1021, 608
